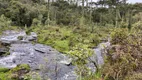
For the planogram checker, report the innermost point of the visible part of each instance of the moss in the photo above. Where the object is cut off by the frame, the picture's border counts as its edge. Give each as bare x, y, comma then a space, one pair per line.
7, 53
15, 73
21, 67
4, 76
20, 37
62, 45
4, 69
65, 38
94, 76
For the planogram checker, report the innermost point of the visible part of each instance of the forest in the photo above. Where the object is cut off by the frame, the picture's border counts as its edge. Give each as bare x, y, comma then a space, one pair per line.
75, 28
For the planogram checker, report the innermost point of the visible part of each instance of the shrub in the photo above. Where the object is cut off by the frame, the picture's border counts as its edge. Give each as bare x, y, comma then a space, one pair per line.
80, 54
36, 22
125, 61
4, 22
62, 45
119, 36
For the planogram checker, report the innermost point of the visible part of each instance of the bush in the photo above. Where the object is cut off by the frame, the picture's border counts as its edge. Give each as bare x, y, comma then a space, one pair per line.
124, 63
62, 46
80, 53
4, 22
119, 36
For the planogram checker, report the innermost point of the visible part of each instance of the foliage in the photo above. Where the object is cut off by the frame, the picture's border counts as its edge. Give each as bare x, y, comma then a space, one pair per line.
94, 76
62, 45
15, 73
20, 67
61, 12
65, 38
124, 63
4, 22
73, 28
80, 54
134, 76
3, 76
4, 69
32, 76
119, 36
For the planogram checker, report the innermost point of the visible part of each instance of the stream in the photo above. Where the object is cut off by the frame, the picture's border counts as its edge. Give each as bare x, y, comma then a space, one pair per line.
44, 59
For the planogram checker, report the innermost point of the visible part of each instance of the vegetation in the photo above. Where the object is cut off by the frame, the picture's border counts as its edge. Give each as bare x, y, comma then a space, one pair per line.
65, 38
15, 73
75, 27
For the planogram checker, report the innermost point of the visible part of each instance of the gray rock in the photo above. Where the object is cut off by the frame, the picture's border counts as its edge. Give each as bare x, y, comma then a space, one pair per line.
42, 48
27, 53
10, 36
65, 59
91, 67
44, 59
98, 56
3, 50
31, 37
33, 34
57, 71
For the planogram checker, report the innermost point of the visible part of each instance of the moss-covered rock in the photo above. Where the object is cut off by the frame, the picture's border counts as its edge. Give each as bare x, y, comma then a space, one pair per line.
20, 38
20, 67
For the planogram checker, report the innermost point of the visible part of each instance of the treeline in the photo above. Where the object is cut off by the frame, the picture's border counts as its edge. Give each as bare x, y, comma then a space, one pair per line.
69, 12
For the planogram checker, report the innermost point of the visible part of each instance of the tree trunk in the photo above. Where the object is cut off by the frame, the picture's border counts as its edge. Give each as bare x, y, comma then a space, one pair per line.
48, 12
83, 8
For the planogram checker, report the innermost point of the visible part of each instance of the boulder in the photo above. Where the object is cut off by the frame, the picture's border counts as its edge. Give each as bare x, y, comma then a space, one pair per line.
42, 48
40, 57
31, 37
10, 36
43, 59
33, 34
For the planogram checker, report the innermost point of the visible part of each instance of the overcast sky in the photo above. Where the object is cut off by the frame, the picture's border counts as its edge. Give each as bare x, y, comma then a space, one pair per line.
134, 1
131, 1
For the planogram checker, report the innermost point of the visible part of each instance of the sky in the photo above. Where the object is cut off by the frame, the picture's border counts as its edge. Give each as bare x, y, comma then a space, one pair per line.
134, 1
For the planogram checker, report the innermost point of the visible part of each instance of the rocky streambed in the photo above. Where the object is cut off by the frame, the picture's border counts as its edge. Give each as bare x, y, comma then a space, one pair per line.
43, 59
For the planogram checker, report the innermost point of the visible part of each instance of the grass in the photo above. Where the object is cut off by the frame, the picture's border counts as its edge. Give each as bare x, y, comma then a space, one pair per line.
13, 74
65, 38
